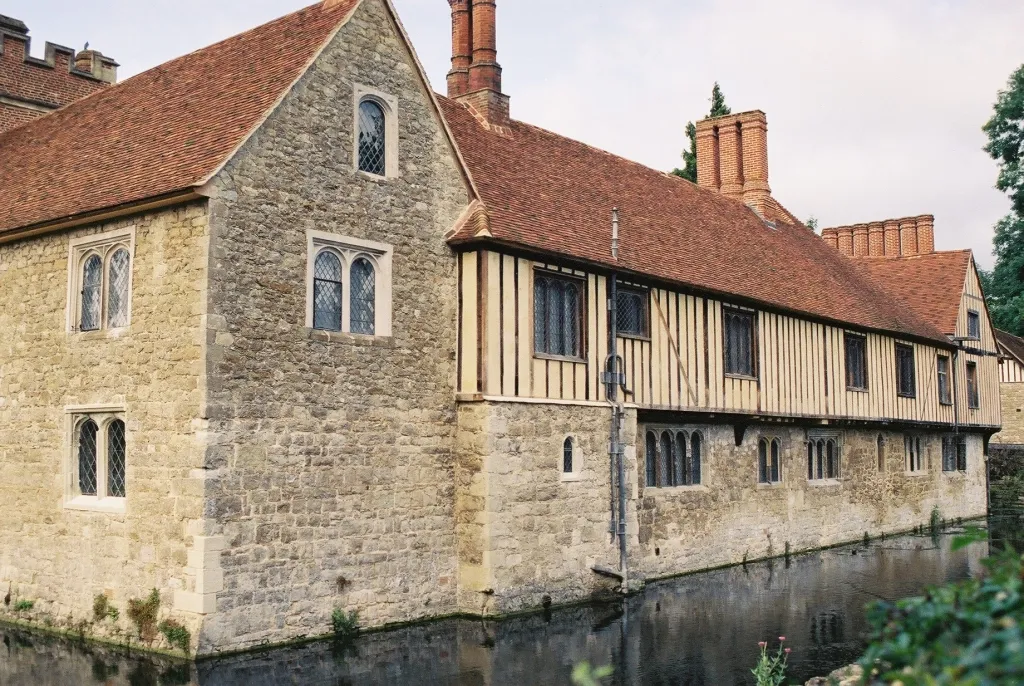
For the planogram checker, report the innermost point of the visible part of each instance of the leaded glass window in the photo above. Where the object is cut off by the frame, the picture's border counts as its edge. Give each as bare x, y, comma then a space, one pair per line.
372, 138
768, 457
651, 458
116, 459
945, 394
92, 281
87, 457
856, 362
696, 454
740, 347
973, 397
906, 384
631, 312
117, 289
327, 292
682, 466
668, 477
557, 316
567, 456
363, 292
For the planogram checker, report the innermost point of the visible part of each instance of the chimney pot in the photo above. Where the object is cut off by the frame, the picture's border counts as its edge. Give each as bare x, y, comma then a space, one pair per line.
732, 157
475, 79
926, 234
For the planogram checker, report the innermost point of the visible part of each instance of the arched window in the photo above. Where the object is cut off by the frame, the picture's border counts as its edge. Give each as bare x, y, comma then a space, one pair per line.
117, 289
696, 453
668, 477
92, 279
768, 457
682, 466
762, 461
363, 290
372, 138
831, 460
115, 459
327, 292
87, 457
881, 453
776, 466
651, 459
821, 459
567, 456
810, 460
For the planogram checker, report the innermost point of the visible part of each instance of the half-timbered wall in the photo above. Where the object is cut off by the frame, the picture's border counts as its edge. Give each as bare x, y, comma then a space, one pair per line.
801, 363
983, 352
1011, 371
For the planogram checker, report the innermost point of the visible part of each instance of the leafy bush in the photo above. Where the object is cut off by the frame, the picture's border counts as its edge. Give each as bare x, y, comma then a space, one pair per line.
101, 608
963, 633
143, 614
345, 626
771, 669
585, 675
24, 605
176, 634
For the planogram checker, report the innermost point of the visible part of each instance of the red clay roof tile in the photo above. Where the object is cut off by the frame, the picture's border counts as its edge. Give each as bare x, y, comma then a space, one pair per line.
162, 131
555, 195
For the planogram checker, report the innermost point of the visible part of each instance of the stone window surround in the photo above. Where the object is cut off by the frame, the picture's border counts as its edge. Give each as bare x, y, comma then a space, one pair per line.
105, 245
689, 431
103, 415
769, 439
577, 460
389, 104
923, 458
837, 436
349, 250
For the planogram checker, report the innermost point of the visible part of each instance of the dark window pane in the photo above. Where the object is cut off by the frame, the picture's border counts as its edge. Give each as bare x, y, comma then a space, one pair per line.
651, 458
557, 325
775, 461
739, 343
372, 138
856, 362
87, 458
665, 463
945, 394
696, 453
631, 312
881, 454
961, 454
567, 456
762, 461
92, 278
973, 399
831, 461
682, 465
810, 461
327, 292
905, 381
116, 459
974, 325
363, 290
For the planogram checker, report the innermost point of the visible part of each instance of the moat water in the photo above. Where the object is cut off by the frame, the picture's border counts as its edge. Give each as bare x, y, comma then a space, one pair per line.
696, 630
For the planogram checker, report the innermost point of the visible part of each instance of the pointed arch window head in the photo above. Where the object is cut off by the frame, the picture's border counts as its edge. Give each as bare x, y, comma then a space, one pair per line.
651, 455
363, 293
673, 457
823, 457
87, 457
327, 291
92, 293
372, 138
666, 464
567, 450
117, 289
769, 457
96, 461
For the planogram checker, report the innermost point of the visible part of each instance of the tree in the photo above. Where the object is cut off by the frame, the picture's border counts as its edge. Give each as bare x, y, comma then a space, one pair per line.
1004, 285
718, 109
812, 223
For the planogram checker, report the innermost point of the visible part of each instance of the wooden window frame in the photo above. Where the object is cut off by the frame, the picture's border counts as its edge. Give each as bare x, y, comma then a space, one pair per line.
945, 391
973, 389
973, 316
645, 299
912, 393
849, 337
581, 283
728, 310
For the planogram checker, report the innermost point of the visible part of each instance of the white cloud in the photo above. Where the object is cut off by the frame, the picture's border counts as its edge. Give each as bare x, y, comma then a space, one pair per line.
875, 107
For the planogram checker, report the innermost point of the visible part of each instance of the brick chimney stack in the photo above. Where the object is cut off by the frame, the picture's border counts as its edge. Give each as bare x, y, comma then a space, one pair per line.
475, 77
890, 238
732, 157
33, 87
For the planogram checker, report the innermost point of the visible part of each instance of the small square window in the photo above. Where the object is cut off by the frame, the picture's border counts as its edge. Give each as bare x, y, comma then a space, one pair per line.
632, 312
348, 285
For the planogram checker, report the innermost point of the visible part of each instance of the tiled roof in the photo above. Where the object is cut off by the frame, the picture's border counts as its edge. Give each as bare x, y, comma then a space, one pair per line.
930, 284
1013, 344
162, 131
552, 194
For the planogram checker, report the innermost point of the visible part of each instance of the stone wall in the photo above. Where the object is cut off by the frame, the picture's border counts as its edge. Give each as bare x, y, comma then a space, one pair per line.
331, 458
1011, 396
526, 531
731, 517
62, 558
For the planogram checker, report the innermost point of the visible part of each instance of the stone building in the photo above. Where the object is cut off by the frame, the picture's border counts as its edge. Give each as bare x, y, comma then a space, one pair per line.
286, 335
1011, 391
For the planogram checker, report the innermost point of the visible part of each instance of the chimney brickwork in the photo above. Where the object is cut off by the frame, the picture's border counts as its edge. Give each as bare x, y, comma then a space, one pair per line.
475, 77
31, 87
732, 157
890, 238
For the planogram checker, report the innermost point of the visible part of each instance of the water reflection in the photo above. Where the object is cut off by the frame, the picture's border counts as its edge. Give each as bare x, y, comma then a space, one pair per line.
697, 630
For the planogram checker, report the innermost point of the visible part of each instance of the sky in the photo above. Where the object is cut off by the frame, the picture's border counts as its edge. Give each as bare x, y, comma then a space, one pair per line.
874, 107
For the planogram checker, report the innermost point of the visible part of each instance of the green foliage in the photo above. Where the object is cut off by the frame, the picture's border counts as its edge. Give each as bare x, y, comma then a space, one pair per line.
102, 609
585, 675
1004, 285
345, 626
812, 223
771, 669
1007, 494
718, 109
176, 634
936, 519
143, 615
963, 633
24, 605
